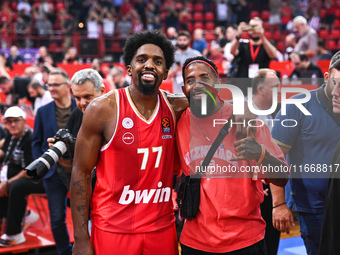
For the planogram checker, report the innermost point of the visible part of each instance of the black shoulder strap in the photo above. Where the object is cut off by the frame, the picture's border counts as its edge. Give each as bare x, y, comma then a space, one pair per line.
224, 131
326, 104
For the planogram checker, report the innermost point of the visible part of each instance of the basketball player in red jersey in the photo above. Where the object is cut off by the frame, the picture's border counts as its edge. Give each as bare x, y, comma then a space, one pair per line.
129, 135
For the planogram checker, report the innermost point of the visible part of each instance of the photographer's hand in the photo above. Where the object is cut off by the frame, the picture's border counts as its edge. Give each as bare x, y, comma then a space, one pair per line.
51, 141
65, 163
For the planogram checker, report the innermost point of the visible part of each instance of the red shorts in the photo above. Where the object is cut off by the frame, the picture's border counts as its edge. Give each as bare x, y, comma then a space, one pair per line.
159, 242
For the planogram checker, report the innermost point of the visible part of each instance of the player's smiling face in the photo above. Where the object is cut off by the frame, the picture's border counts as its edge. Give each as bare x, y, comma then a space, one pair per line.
148, 68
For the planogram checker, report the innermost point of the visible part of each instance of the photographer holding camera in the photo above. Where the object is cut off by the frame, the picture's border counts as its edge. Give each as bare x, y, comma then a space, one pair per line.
15, 184
49, 119
254, 53
86, 85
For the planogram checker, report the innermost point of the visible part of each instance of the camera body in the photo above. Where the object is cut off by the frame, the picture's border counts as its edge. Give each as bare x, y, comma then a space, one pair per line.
65, 142
249, 27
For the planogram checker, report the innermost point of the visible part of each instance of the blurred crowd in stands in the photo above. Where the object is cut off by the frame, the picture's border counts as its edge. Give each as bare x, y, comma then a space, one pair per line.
57, 24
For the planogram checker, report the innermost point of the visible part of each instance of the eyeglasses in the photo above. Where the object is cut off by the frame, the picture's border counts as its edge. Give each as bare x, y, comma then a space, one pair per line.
55, 85
9, 122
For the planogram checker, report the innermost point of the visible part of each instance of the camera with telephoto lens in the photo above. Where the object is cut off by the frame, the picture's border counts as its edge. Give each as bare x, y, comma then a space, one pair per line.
64, 146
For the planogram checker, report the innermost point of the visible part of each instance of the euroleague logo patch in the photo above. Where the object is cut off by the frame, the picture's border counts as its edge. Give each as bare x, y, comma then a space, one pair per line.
128, 138
127, 123
166, 125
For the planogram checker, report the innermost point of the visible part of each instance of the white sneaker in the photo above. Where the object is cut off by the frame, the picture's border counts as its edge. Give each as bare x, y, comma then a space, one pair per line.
30, 219
12, 240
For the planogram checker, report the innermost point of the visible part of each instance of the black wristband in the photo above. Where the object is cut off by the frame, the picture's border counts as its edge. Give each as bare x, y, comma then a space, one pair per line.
279, 205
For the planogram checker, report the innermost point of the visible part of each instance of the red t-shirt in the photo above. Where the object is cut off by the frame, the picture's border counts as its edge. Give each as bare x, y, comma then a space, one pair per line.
135, 170
229, 216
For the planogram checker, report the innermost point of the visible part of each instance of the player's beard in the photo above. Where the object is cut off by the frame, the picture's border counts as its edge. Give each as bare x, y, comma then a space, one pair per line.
147, 88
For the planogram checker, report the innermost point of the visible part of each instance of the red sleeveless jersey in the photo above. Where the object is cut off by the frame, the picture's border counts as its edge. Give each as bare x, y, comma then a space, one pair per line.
135, 170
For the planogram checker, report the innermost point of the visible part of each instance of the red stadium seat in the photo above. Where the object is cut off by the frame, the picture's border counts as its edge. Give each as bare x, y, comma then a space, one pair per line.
337, 13
210, 26
335, 34
323, 34
198, 16
285, 20
268, 35
277, 35
209, 16
266, 25
209, 36
286, 11
60, 6
198, 7
254, 14
337, 23
330, 45
322, 13
265, 15
190, 27
198, 25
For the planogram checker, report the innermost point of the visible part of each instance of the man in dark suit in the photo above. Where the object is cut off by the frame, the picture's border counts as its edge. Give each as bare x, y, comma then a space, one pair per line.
50, 118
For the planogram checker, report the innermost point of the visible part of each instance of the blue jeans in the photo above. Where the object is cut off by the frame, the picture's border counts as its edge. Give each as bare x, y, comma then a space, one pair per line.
310, 228
56, 192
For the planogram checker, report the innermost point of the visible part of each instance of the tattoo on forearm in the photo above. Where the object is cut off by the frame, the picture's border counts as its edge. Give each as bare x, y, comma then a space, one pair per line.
84, 195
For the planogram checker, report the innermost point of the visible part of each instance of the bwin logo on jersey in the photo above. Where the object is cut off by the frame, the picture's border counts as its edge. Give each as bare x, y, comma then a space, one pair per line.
159, 195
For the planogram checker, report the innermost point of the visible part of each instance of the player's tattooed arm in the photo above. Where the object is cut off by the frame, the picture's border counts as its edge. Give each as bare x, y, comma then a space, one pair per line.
93, 133
84, 197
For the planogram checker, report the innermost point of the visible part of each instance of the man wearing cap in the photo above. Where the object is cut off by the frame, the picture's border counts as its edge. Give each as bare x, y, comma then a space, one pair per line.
15, 185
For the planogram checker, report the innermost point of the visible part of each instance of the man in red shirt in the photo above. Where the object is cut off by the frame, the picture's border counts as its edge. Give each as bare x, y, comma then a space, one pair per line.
229, 217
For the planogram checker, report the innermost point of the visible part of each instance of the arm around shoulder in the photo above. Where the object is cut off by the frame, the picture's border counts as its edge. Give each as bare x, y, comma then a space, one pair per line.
179, 103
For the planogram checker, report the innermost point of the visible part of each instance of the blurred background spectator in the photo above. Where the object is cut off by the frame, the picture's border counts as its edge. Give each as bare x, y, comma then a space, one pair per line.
14, 57
116, 78
304, 68
199, 43
71, 56
323, 54
39, 95
97, 65
171, 34
308, 38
